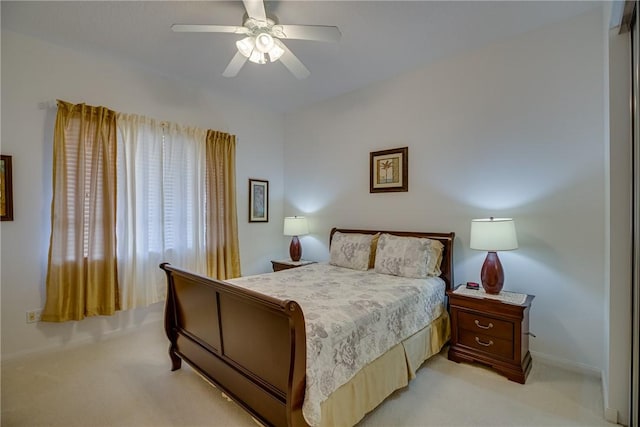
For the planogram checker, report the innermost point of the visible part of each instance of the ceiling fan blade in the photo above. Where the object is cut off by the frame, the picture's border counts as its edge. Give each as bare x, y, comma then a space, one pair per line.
191, 28
322, 33
292, 62
235, 65
255, 9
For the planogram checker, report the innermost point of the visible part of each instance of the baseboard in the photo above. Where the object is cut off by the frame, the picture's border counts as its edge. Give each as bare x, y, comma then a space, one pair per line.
54, 348
611, 415
569, 365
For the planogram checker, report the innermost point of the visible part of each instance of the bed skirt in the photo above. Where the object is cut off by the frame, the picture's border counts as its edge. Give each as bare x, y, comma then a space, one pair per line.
391, 371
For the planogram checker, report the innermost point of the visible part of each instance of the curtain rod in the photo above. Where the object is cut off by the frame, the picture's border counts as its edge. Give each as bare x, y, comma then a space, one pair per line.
45, 105
52, 103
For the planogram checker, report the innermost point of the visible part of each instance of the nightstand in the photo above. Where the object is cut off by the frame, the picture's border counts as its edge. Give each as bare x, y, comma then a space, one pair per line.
285, 264
491, 331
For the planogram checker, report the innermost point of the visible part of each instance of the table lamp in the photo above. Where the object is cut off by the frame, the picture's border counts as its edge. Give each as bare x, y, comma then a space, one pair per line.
295, 226
492, 235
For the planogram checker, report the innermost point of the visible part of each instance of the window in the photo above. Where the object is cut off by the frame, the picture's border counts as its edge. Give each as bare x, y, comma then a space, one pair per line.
114, 220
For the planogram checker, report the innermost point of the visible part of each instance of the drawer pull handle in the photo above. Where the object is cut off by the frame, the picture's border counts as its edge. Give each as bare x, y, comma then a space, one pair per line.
485, 344
489, 326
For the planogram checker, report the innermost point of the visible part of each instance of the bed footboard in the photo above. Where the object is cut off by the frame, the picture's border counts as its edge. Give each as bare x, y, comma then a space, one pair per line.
251, 346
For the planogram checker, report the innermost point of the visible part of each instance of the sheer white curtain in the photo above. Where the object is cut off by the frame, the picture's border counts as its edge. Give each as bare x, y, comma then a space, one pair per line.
161, 191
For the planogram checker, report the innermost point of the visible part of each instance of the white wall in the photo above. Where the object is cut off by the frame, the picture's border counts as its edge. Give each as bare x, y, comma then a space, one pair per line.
514, 129
34, 71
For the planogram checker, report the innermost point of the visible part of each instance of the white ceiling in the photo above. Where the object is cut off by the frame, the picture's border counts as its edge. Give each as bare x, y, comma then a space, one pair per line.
379, 38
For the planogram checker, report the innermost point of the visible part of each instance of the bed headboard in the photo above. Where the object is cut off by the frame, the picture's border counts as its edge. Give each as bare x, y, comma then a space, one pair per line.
445, 238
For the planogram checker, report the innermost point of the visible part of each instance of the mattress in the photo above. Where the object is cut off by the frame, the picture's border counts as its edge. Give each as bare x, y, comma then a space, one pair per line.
351, 319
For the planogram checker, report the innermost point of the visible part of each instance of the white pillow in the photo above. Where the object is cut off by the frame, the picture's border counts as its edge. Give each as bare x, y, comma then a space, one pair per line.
350, 250
408, 256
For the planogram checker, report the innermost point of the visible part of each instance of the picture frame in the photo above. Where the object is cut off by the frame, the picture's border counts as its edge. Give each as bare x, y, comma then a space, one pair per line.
258, 200
389, 170
6, 189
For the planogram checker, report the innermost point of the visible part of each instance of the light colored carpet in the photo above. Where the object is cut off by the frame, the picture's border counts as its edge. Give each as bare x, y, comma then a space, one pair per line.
126, 380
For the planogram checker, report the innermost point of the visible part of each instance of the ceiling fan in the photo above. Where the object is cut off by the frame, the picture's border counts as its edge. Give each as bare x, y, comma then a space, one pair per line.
263, 39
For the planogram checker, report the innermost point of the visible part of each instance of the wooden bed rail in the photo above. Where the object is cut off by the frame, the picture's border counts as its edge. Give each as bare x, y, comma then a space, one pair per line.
251, 346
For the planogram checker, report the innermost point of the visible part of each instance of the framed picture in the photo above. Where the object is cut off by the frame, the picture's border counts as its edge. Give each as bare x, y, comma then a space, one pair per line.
6, 189
258, 200
389, 170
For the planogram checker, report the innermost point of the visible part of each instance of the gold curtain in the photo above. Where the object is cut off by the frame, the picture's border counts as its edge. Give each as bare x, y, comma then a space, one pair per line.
82, 276
223, 253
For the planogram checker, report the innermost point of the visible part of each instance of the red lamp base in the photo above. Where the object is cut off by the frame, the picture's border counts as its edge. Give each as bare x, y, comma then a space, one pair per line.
491, 274
295, 250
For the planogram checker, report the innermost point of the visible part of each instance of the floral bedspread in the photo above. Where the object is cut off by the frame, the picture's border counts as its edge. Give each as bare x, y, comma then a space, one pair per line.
351, 318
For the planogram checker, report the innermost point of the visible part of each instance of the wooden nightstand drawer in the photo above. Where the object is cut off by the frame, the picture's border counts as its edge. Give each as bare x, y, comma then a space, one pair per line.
485, 325
488, 344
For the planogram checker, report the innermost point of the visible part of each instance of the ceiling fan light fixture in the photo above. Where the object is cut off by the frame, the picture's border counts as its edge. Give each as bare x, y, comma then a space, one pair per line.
257, 57
276, 51
253, 47
245, 46
264, 42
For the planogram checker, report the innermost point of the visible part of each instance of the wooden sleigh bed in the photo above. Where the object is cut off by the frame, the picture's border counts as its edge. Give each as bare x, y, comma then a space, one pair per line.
253, 346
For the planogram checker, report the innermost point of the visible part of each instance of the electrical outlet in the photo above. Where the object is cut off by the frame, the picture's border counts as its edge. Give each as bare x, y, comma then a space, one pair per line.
34, 315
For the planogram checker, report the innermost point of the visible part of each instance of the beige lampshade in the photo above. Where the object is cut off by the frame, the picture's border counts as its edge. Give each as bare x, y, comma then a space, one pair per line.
493, 234
295, 226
